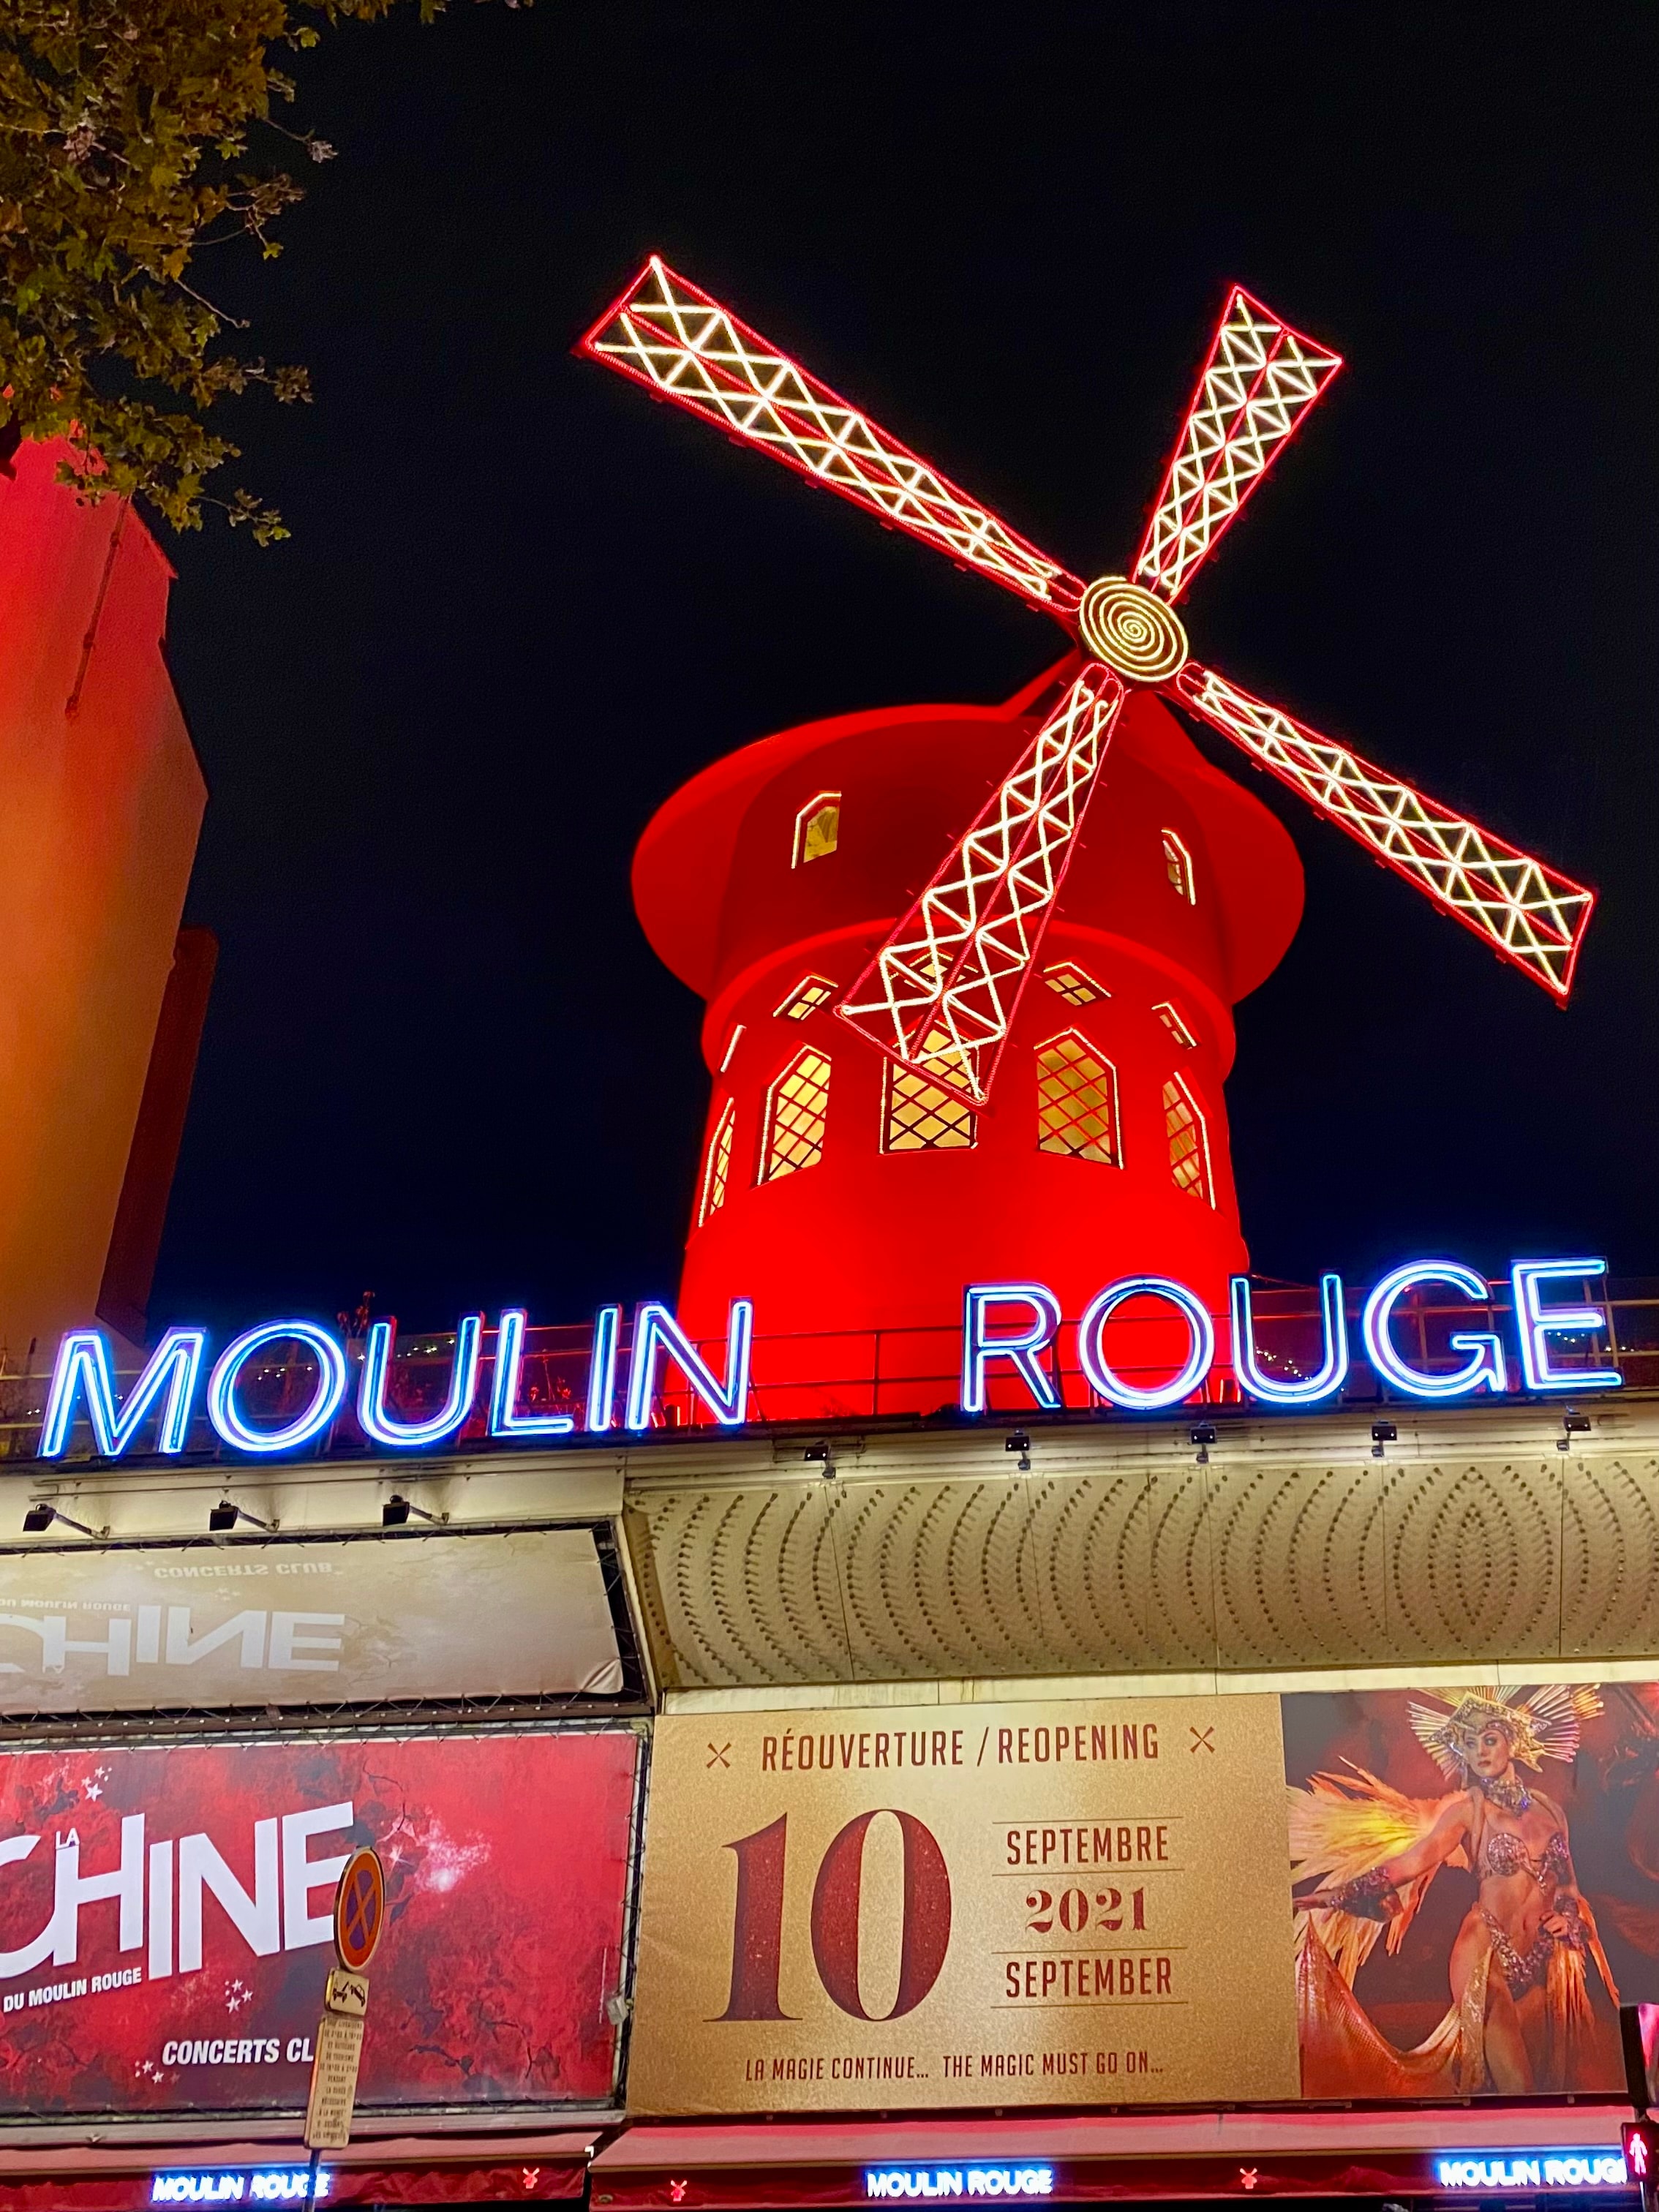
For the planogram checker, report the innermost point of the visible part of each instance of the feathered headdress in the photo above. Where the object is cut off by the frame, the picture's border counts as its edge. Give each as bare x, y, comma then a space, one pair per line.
1546, 1723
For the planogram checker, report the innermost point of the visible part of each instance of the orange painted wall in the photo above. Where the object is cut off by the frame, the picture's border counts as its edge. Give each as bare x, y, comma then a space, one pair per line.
100, 804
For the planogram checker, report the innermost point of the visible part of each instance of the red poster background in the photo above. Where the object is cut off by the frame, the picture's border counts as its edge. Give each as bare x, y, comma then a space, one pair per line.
506, 1860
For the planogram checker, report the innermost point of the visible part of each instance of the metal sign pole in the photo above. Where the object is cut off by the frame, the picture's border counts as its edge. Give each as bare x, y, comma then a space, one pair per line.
311, 2181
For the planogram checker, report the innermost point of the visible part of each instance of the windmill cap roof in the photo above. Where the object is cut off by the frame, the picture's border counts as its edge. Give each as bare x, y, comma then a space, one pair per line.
683, 862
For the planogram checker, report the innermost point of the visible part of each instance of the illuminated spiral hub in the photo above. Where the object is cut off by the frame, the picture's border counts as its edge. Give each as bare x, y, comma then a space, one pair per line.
1132, 631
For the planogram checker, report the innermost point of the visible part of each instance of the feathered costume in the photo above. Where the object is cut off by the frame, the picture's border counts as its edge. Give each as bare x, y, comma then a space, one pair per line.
1345, 1827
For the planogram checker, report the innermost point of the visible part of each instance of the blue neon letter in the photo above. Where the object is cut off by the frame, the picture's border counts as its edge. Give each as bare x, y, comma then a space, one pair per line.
83, 1361
505, 1419
657, 1332
222, 1409
1200, 1357
602, 1370
405, 1436
1022, 1348
1485, 1369
1537, 1324
1272, 1388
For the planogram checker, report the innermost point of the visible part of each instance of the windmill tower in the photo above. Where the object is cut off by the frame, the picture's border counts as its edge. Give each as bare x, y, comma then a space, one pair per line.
1016, 1073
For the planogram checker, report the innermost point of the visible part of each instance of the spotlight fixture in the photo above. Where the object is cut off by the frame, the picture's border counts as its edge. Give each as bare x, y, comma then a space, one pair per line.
821, 1455
1203, 1434
40, 1517
224, 1517
1382, 1432
1574, 1424
395, 1513
1020, 1443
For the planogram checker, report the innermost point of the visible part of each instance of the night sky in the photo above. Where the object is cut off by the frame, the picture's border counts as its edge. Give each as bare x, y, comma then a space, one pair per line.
521, 604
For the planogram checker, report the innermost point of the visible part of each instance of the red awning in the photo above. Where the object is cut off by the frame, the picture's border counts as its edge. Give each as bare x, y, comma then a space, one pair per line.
400, 2170
692, 2167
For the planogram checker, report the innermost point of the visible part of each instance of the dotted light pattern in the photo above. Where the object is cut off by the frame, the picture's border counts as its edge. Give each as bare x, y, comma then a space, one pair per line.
717, 1168
917, 1116
1077, 1101
796, 1109
667, 334
957, 962
1527, 913
1260, 378
1189, 1141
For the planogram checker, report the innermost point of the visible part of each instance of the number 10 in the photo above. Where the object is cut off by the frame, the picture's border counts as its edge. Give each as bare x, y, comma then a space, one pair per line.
757, 1921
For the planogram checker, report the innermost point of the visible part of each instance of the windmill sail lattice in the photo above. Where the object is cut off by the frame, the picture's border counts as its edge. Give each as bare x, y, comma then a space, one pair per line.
1527, 912
1260, 380
940, 995
670, 335
943, 991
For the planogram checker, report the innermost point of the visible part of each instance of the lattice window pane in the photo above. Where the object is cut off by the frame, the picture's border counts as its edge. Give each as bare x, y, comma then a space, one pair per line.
795, 1116
808, 995
818, 829
717, 1168
917, 1116
1074, 984
1077, 1101
1177, 1029
1178, 866
1189, 1144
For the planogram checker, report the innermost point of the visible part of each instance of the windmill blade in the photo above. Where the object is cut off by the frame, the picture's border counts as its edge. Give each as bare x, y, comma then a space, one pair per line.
683, 346
1260, 378
941, 994
1525, 911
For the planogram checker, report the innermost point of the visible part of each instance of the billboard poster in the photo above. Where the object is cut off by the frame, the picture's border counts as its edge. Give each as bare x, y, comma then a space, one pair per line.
154, 1626
985, 1905
165, 1920
1477, 1886
1401, 1894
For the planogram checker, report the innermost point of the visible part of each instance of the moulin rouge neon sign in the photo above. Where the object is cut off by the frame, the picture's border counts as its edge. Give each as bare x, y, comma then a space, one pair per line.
1006, 1326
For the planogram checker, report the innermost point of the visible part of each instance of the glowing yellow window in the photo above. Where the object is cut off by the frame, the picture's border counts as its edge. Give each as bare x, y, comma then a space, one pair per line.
1177, 1029
1178, 866
1077, 1101
808, 995
917, 1116
1189, 1140
1074, 984
818, 829
717, 1167
796, 1107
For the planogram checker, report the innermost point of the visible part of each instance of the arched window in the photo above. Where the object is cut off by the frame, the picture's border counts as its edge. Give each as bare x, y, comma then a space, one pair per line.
796, 1107
717, 1165
818, 829
917, 1116
1178, 868
1177, 1029
1077, 1101
1189, 1140
808, 995
1074, 984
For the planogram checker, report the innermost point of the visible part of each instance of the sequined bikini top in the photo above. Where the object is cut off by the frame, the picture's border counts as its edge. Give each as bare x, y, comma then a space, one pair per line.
1507, 1854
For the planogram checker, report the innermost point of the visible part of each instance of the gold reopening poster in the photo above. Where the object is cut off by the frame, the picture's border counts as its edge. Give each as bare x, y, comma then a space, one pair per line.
911, 1907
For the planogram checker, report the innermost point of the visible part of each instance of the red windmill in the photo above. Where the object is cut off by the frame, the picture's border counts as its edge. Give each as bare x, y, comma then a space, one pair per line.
1185, 898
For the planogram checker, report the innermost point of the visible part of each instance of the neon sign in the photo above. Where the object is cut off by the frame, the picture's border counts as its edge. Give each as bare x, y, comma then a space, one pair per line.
988, 1309
1546, 2169
1015, 1323
956, 2182
259, 2185
83, 1382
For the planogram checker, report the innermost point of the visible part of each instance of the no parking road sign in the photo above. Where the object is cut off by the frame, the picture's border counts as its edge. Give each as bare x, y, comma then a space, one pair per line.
359, 1910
